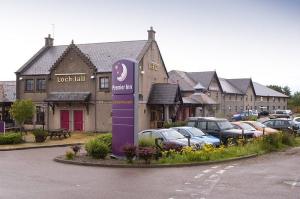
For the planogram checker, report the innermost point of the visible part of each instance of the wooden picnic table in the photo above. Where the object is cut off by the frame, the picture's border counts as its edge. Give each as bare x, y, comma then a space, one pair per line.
59, 133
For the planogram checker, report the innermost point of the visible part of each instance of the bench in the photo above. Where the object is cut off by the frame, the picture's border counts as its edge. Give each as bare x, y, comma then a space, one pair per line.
59, 133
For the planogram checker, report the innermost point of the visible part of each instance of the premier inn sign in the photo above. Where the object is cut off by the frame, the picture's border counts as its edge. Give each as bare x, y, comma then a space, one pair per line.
70, 77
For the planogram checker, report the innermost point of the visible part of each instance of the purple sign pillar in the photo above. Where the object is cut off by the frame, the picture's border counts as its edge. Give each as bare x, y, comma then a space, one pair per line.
124, 105
2, 127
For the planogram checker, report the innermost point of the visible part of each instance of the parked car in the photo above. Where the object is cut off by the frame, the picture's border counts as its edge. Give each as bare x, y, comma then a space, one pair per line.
247, 128
243, 115
198, 134
261, 127
296, 122
282, 124
280, 114
171, 136
217, 127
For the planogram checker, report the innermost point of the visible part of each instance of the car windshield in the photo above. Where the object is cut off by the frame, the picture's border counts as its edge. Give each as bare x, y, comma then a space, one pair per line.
259, 124
247, 127
224, 125
172, 134
196, 132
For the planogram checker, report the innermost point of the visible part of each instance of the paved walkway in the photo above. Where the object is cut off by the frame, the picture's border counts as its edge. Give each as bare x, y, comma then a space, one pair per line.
31, 174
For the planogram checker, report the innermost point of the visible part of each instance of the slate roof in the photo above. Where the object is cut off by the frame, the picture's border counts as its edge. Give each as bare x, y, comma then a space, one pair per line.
241, 84
68, 97
7, 91
228, 88
102, 55
262, 90
199, 98
164, 93
204, 78
181, 78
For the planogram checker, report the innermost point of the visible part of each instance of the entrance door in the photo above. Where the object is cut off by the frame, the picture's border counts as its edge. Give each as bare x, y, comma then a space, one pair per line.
64, 119
78, 120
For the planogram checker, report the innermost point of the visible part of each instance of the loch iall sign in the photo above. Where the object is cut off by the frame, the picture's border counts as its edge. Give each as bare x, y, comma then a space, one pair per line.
124, 105
70, 77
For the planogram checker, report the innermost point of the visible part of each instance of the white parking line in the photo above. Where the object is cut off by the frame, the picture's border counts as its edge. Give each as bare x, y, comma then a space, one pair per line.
213, 176
214, 167
187, 183
229, 167
221, 171
199, 176
207, 171
179, 190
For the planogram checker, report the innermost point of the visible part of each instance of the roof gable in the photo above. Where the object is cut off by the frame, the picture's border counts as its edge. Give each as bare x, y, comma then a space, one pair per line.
101, 55
241, 84
204, 78
164, 93
73, 47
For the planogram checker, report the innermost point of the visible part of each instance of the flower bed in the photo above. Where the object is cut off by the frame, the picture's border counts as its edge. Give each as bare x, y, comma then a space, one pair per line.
167, 155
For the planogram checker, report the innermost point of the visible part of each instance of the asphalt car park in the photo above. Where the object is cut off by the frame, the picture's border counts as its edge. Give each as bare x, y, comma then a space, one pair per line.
32, 174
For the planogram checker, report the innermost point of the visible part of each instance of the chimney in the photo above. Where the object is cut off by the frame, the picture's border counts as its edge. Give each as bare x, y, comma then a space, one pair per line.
151, 34
49, 40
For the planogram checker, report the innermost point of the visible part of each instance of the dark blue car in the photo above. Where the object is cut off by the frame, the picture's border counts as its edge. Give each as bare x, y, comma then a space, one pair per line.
196, 133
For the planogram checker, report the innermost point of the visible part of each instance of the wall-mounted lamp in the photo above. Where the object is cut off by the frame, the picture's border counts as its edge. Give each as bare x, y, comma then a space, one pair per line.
20, 78
142, 72
92, 76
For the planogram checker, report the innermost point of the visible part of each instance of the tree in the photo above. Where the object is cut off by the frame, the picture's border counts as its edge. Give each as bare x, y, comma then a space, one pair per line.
276, 88
287, 91
295, 99
21, 110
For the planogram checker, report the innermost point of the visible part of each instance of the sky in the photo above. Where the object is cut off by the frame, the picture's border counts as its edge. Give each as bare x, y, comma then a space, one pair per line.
258, 39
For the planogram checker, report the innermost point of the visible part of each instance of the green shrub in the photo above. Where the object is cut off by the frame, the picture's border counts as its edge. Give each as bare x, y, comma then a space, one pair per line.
70, 155
96, 148
11, 138
106, 138
147, 142
174, 124
272, 142
40, 135
288, 139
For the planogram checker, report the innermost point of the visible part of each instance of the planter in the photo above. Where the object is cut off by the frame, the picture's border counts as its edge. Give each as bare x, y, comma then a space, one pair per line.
40, 139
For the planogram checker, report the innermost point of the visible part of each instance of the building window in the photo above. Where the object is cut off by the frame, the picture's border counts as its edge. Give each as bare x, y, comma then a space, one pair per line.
278, 99
229, 97
236, 109
273, 107
273, 99
236, 97
241, 98
217, 95
40, 115
251, 98
283, 107
246, 97
267, 99
261, 99
40, 84
284, 99
278, 107
268, 108
104, 83
29, 85
255, 107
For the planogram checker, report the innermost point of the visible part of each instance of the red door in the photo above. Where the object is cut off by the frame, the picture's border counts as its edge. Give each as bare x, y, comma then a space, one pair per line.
64, 119
78, 120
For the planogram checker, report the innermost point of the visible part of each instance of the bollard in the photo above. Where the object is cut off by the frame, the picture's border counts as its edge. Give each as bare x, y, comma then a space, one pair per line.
189, 139
263, 131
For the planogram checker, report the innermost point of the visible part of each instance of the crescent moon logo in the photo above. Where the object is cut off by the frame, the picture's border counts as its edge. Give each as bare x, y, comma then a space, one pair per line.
123, 75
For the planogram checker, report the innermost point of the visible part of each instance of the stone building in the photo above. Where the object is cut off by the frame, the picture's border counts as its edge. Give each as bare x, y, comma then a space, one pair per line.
223, 97
71, 84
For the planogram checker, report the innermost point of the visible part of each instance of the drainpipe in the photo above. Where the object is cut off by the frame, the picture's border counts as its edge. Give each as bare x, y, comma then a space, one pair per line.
95, 101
